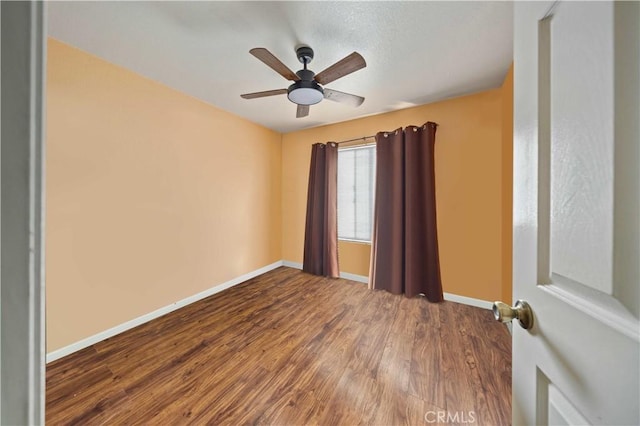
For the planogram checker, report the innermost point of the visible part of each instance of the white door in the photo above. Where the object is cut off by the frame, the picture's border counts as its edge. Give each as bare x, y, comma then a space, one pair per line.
576, 217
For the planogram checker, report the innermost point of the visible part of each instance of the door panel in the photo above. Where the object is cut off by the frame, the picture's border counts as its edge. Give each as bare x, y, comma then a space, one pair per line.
561, 411
576, 192
581, 125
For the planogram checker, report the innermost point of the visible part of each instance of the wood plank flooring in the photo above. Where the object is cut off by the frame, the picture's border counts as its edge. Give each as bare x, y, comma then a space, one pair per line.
287, 348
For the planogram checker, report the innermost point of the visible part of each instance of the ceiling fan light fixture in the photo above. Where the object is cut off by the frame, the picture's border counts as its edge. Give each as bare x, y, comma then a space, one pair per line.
307, 88
305, 93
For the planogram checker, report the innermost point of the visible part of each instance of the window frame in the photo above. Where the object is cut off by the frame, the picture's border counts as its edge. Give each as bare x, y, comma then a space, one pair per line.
373, 192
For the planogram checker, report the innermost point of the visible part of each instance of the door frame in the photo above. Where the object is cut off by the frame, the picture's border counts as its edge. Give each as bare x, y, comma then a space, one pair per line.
22, 278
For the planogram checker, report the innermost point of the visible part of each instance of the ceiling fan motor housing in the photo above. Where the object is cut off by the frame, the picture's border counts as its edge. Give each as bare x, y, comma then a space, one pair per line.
305, 91
306, 75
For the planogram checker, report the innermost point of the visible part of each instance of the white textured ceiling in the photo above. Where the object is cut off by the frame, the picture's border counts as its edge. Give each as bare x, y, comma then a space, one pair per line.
416, 52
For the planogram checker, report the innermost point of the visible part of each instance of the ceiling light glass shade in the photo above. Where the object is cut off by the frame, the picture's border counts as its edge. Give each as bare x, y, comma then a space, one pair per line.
305, 96
305, 93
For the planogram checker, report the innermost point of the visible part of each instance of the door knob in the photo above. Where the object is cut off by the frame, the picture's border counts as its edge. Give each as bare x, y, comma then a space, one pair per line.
521, 311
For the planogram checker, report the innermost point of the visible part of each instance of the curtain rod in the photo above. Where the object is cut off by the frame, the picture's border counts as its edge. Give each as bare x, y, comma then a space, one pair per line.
357, 139
362, 138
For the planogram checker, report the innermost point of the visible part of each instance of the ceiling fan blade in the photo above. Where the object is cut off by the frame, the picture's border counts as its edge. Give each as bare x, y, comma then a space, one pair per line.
345, 98
343, 67
263, 94
303, 111
274, 63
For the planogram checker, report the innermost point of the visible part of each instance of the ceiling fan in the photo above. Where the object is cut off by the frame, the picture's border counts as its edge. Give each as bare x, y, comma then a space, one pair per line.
307, 87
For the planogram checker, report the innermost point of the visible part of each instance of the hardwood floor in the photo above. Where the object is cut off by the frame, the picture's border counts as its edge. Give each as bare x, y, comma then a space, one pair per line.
291, 348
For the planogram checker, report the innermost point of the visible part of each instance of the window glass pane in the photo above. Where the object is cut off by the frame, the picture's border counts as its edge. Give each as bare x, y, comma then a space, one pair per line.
346, 201
356, 173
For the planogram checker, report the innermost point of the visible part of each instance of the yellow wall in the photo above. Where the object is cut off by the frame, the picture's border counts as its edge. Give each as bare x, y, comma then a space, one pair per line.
469, 186
507, 186
152, 196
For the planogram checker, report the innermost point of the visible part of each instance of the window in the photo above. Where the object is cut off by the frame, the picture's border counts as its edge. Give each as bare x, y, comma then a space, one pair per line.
356, 183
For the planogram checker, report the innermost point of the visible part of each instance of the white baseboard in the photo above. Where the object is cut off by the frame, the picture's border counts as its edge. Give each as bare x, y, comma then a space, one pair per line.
291, 264
354, 277
479, 303
59, 353
345, 275
364, 279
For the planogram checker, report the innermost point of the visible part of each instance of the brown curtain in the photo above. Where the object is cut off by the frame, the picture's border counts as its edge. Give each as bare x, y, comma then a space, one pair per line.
321, 231
404, 254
